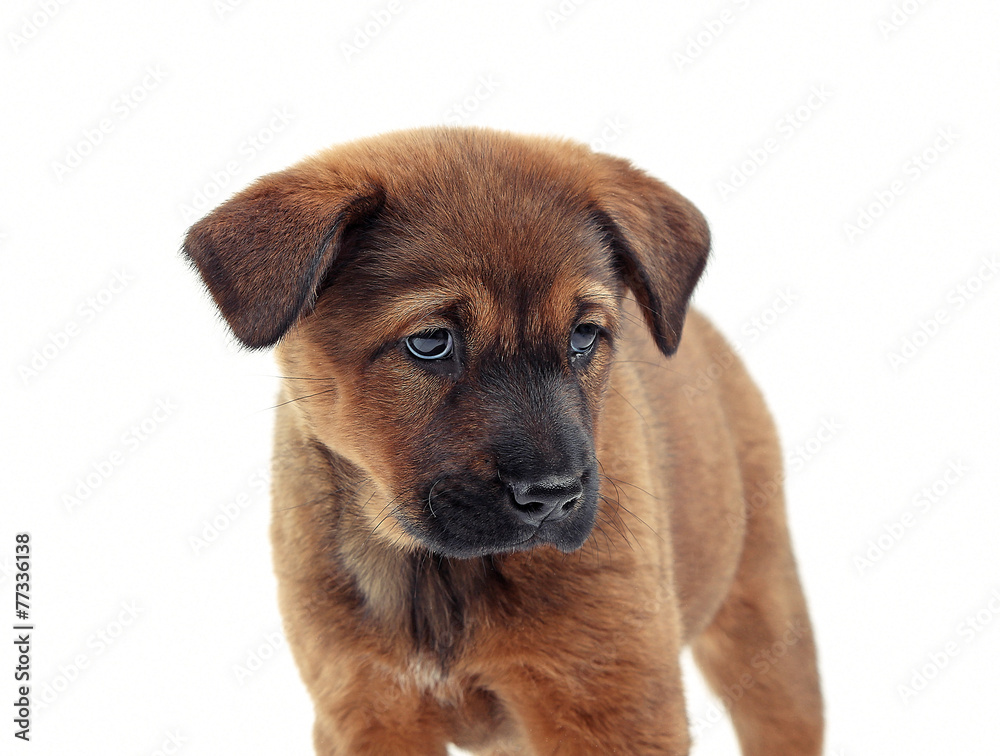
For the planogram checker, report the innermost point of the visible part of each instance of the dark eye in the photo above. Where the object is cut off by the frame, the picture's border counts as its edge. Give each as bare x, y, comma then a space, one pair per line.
431, 345
583, 337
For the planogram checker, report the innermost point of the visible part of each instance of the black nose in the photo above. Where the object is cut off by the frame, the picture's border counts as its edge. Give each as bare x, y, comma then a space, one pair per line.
550, 498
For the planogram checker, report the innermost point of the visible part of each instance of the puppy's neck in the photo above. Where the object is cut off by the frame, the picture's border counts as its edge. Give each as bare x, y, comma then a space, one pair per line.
402, 589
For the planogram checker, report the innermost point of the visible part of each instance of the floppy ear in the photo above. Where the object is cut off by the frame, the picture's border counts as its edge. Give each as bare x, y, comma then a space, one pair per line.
660, 241
263, 253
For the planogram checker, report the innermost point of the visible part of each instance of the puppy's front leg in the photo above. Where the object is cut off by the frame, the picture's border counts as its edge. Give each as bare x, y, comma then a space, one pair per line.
635, 710
372, 715
610, 686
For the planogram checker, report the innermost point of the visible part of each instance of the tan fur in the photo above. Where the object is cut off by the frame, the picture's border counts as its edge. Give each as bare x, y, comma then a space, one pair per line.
534, 652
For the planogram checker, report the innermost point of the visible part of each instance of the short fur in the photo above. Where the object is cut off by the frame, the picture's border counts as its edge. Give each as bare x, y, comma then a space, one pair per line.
420, 607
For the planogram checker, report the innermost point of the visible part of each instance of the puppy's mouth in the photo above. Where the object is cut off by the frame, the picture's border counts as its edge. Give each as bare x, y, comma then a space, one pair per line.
459, 517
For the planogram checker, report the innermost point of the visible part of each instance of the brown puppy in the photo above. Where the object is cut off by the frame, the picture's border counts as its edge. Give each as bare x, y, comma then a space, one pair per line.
500, 510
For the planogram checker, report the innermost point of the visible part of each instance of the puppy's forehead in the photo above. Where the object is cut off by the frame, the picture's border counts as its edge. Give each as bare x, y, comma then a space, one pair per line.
508, 266
489, 209
467, 196
502, 247
501, 232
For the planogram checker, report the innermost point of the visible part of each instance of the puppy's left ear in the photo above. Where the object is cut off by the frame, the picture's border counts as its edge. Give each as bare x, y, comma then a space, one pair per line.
660, 241
263, 253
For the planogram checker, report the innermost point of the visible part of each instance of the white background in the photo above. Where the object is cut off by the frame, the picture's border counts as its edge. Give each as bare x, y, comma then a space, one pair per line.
140, 635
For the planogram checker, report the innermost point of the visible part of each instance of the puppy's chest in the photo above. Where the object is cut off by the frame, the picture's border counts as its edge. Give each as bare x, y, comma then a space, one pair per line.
434, 613
443, 599
445, 606
424, 672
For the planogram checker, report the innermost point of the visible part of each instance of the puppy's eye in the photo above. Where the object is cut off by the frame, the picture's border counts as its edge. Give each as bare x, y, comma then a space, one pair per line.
582, 340
431, 345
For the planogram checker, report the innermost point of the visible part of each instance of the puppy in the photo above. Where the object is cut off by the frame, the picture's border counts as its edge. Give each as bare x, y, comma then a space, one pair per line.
506, 493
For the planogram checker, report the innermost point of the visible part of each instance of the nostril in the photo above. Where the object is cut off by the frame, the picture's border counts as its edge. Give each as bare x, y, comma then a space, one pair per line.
550, 498
570, 504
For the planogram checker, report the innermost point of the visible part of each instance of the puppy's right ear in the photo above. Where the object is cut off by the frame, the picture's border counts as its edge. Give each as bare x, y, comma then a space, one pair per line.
660, 241
263, 253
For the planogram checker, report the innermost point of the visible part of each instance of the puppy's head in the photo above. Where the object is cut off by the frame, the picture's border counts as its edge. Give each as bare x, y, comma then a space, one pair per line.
447, 304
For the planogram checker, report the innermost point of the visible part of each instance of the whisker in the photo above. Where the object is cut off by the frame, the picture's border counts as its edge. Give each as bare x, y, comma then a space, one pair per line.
649, 527
325, 495
300, 398
619, 507
430, 496
610, 480
617, 520
597, 548
297, 377
614, 522
630, 405
607, 539
395, 508
382, 516
615, 481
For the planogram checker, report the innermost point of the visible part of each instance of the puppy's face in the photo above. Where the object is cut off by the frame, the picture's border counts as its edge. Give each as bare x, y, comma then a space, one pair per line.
469, 361
448, 304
